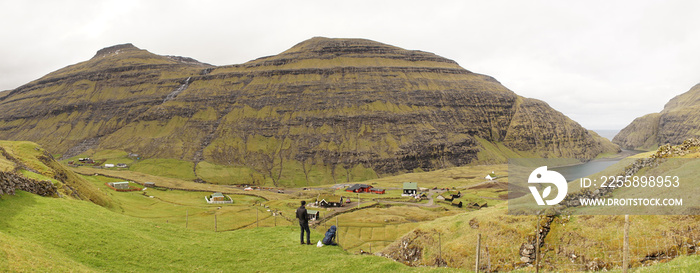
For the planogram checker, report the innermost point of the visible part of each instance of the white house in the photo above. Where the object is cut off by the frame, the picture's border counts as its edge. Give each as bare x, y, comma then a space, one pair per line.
120, 185
218, 198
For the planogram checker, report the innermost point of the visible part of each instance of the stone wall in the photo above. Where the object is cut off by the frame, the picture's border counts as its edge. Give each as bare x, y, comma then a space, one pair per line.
9, 182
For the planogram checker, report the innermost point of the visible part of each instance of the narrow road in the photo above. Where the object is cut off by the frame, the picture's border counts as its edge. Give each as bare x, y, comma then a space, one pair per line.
430, 203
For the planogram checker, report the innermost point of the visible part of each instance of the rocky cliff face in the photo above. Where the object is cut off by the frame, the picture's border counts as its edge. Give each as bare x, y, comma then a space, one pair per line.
679, 121
325, 110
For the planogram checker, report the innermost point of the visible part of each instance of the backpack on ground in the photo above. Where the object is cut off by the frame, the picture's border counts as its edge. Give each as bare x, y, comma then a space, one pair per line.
330, 236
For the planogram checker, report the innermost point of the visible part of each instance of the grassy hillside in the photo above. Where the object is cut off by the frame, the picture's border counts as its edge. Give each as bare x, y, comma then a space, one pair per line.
33, 162
145, 231
47, 234
677, 122
574, 242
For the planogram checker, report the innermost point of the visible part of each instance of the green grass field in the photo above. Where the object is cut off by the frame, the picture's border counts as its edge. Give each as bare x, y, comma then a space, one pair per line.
60, 235
380, 226
187, 208
160, 230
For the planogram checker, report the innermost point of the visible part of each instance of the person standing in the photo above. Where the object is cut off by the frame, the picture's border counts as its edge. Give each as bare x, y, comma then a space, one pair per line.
304, 223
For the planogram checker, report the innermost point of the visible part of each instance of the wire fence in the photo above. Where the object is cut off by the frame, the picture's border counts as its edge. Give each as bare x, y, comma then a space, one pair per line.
608, 243
575, 250
359, 237
247, 217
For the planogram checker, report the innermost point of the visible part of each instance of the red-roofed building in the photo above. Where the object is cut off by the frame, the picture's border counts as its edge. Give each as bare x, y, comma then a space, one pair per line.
359, 188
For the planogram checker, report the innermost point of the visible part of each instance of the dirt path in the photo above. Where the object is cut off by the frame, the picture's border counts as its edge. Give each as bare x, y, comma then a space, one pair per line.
430, 203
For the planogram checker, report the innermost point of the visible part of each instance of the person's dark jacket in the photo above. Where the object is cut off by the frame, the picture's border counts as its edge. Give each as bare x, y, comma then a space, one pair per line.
302, 214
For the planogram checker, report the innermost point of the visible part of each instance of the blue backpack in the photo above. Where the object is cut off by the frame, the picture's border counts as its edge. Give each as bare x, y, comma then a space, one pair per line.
330, 235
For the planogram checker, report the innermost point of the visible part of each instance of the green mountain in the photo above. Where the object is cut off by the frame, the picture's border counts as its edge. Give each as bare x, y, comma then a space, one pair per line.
324, 111
678, 121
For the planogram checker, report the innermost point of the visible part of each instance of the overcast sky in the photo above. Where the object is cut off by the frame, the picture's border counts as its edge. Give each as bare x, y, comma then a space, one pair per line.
602, 63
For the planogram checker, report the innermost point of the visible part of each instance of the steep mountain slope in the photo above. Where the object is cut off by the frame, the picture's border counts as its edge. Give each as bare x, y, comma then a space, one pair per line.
26, 166
679, 121
325, 110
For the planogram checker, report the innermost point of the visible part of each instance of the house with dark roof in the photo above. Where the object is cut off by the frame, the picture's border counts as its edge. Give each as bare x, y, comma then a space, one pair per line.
457, 203
410, 188
454, 193
377, 191
329, 200
447, 197
424, 196
359, 188
475, 205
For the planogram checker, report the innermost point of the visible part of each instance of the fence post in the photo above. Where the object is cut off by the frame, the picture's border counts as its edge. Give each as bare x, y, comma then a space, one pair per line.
478, 252
257, 224
440, 247
216, 227
187, 218
537, 246
337, 231
626, 245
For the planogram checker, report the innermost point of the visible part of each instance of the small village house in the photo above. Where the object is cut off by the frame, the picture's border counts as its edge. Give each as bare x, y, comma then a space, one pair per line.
447, 197
377, 191
312, 215
457, 203
218, 198
149, 184
454, 193
491, 176
109, 165
86, 160
120, 185
122, 165
329, 200
475, 205
358, 188
410, 188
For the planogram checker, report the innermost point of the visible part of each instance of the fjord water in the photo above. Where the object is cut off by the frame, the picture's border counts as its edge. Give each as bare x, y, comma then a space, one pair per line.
582, 170
574, 172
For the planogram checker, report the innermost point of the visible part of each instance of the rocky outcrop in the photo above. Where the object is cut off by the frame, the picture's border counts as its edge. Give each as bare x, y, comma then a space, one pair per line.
679, 120
409, 249
26, 166
528, 250
662, 153
324, 110
9, 182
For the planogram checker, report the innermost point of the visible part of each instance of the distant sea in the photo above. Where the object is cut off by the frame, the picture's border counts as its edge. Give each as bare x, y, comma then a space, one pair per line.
609, 134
